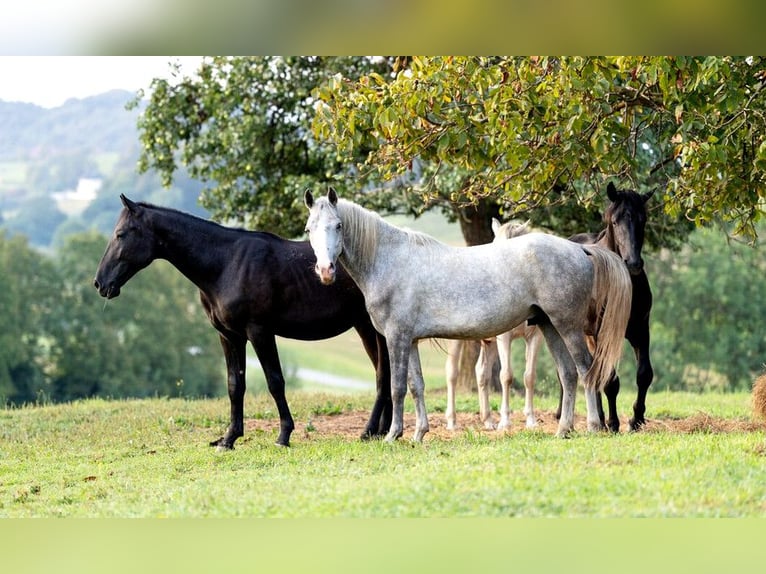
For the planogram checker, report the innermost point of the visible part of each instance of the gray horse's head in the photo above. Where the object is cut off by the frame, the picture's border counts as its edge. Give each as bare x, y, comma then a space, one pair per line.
325, 231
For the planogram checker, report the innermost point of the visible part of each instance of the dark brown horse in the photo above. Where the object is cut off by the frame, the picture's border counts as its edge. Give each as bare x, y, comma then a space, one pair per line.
625, 219
253, 286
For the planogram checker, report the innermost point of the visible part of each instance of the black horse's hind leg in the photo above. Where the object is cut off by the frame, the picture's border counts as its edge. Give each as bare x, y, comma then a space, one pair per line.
380, 416
644, 377
611, 390
637, 334
266, 349
234, 353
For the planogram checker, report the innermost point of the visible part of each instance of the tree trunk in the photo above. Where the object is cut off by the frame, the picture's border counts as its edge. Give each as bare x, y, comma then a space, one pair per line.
476, 226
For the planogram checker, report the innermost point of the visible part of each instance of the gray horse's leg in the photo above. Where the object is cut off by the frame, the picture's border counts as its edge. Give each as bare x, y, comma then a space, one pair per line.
399, 356
417, 389
567, 372
581, 355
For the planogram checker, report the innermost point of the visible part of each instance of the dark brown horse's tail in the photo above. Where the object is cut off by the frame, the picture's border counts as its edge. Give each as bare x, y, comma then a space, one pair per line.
608, 317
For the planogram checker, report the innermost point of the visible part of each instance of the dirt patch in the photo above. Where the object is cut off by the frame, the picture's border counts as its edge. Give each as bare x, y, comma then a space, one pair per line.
350, 425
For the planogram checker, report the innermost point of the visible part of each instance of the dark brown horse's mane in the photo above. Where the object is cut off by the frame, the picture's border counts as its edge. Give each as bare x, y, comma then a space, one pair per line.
208, 222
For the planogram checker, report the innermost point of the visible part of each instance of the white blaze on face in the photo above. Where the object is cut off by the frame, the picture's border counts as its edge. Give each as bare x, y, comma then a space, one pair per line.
326, 238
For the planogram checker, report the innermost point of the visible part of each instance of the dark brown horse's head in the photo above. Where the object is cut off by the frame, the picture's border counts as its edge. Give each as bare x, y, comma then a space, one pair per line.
625, 219
130, 249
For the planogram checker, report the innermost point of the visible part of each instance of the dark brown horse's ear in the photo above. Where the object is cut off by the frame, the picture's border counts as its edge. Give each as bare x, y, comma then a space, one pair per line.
648, 195
332, 196
611, 192
129, 205
308, 199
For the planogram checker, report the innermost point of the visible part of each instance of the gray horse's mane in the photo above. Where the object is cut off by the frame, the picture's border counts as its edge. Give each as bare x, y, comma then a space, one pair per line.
513, 228
363, 227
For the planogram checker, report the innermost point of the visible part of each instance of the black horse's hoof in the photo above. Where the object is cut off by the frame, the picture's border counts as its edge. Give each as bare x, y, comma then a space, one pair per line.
369, 435
366, 436
221, 444
636, 424
283, 441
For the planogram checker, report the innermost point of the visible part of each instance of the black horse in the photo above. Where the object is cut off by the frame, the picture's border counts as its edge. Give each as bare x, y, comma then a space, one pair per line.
625, 219
253, 286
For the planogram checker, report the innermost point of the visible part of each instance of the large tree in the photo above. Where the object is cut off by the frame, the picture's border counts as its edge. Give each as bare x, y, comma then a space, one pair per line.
535, 133
474, 136
243, 126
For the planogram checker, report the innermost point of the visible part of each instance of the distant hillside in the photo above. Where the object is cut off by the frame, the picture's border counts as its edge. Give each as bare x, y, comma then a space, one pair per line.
62, 169
91, 125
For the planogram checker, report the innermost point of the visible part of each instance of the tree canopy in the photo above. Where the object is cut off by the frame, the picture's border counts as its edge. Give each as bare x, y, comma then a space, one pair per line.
535, 132
475, 136
243, 126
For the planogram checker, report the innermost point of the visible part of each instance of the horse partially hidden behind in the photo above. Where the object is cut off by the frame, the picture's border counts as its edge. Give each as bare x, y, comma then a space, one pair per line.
253, 286
500, 347
625, 219
416, 287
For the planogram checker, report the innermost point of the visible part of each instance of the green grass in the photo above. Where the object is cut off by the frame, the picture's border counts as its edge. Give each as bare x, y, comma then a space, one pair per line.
149, 458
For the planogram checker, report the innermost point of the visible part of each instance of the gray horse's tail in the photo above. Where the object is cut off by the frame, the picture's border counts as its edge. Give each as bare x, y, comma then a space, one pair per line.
609, 313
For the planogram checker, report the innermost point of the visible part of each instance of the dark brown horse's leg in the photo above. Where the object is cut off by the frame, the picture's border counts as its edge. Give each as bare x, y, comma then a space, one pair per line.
611, 390
234, 353
380, 416
644, 377
266, 349
637, 334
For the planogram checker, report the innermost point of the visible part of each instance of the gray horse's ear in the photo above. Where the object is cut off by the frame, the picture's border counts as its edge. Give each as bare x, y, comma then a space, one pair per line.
648, 195
611, 192
332, 196
129, 205
495, 225
308, 199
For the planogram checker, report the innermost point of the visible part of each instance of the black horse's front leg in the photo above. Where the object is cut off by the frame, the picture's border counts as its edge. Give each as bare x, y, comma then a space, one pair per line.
380, 416
265, 346
611, 390
644, 377
234, 353
638, 337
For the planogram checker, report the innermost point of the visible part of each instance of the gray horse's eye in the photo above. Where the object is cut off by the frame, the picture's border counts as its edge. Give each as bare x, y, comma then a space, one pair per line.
339, 227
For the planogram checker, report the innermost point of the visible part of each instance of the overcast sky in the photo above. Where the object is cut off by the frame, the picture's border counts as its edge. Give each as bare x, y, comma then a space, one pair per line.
49, 81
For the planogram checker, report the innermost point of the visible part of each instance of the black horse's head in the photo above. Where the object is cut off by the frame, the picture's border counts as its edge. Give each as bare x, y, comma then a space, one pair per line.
625, 219
130, 249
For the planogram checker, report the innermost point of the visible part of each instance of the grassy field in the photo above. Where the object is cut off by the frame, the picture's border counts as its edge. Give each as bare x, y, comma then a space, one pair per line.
149, 458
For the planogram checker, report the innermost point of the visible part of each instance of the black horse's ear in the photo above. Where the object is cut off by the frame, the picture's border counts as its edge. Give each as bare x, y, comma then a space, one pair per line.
611, 192
332, 196
308, 199
646, 196
129, 205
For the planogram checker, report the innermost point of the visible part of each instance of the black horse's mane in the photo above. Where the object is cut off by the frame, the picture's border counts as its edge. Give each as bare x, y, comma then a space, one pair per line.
202, 220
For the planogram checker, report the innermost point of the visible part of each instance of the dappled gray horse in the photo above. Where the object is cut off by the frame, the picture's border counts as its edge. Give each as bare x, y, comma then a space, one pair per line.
500, 347
416, 287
